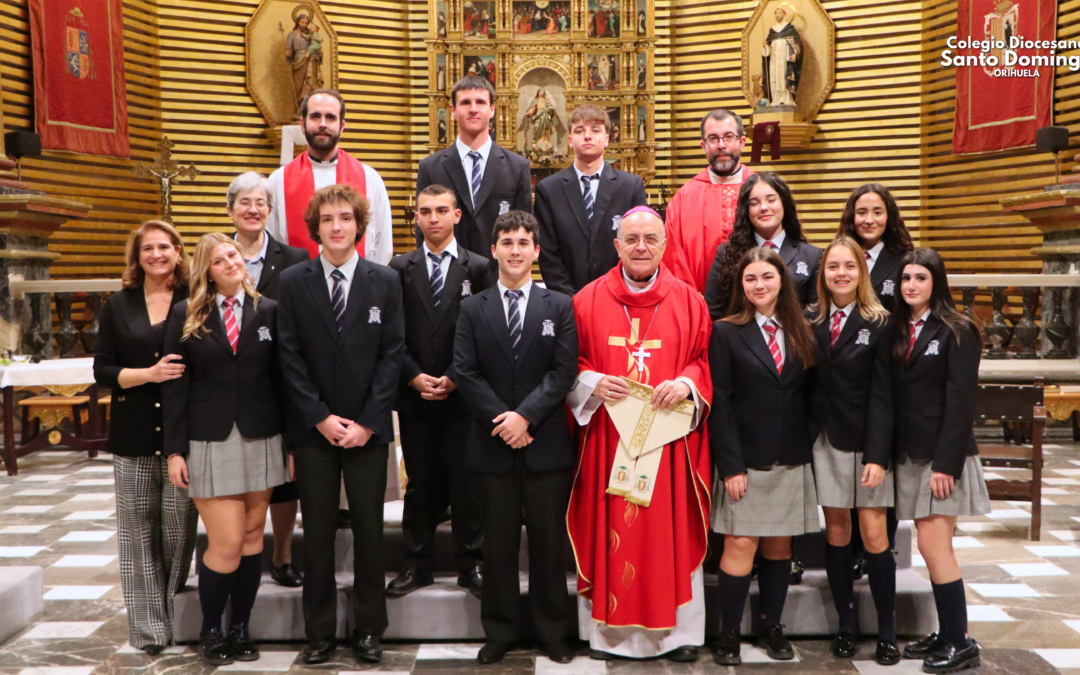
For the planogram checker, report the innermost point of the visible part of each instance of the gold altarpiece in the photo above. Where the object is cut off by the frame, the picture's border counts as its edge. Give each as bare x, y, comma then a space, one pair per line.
563, 53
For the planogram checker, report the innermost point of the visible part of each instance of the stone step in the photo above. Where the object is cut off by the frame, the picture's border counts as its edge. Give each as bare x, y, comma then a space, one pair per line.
810, 548
21, 598
445, 611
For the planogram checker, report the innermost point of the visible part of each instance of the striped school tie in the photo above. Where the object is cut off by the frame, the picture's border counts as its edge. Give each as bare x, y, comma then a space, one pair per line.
911, 341
231, 327
514, 319
476, 177
337, 298
771, 245
834, 334
774, 347
586, 184
436, 275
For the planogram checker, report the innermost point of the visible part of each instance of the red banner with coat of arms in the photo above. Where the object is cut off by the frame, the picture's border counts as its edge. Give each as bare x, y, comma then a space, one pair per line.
1001, 102
79, 91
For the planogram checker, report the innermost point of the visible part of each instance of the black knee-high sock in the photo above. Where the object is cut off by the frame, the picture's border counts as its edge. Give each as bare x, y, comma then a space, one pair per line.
214, 591
246, 587
881, 568
773, 579
939, 603
840, 570
954, 602
733, 594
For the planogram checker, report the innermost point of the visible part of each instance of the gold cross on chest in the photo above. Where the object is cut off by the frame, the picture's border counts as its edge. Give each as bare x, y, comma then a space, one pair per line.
640, 353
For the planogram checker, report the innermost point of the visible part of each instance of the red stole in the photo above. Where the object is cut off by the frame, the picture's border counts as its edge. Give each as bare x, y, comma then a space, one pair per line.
635, 563
300, 187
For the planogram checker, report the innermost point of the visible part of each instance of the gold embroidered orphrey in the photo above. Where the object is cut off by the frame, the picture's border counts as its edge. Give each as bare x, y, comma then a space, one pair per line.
643, 432
636, 368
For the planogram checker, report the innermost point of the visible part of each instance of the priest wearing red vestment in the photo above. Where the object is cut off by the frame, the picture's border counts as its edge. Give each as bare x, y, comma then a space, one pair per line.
702, 213
640, 586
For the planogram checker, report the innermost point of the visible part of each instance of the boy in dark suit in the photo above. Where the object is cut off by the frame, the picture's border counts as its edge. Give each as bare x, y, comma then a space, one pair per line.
342, 335
487, 180
515, 356
579, 209
434, 418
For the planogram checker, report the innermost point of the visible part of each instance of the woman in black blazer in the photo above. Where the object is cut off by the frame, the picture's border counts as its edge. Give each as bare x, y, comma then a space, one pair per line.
760, 439
155, 522
872, 218
852, 420
765, 215
223, 427
938, 473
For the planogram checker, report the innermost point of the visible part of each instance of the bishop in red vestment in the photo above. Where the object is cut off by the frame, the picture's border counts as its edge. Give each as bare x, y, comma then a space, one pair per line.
702, 213
639, 568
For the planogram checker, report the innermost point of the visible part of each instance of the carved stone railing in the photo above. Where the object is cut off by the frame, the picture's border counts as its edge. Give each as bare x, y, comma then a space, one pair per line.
37, 331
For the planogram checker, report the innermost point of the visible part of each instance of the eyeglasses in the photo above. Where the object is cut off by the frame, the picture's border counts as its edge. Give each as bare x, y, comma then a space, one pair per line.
651, 240
247, 203
728, 139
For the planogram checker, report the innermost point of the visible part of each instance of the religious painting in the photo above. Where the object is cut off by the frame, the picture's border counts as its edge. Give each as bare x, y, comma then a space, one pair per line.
642, 124
440, 19
642, 71
440, 72
541, 18
603, 72
482, 65
291, 51
442, 128
615, 119
541, 123
642, 20
603, 18
478, 19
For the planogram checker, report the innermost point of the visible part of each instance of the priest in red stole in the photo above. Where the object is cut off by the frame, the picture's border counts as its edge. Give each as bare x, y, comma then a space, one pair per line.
640, 583
702, 213
325, 164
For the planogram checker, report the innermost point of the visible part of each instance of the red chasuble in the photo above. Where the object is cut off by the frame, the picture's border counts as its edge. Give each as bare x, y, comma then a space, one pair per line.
635, 563
698, 219
300, 187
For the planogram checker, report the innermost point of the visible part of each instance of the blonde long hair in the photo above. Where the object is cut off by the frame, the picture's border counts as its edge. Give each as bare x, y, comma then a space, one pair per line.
865, 297
203, 290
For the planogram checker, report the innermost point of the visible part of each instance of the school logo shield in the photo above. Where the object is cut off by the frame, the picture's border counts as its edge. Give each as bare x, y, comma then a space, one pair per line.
863, 338
932, 348
264, 334
887, 287
466, 288
616, 221
374, 315
504, 207
549, 328
800, 268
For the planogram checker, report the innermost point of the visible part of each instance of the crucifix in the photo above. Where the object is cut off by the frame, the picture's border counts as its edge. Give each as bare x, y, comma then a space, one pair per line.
641, 355
166, 170
636, 358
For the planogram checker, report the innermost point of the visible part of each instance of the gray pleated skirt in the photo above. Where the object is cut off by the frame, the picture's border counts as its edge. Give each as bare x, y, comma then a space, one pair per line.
236, 465
838, 478
778, 502
914, 499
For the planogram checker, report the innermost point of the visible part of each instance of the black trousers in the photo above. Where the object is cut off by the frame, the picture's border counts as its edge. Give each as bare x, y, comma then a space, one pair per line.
319, 472
539, 500
434, 436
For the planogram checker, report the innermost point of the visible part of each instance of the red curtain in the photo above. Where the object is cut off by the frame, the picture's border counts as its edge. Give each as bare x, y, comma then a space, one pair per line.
79, 91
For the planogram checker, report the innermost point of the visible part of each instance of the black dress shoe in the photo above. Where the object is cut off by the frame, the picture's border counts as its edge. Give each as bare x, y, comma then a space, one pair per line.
887, 653
601, 656
153, 650
240, 643
408, 581
287, 575
344, 520
858, 568
952, 659
797, 569
843, 645
684, 654
214, 648
925, 647
367, 648
319, 650
774, 643
559, 652
726, 650
493, 652
473, 580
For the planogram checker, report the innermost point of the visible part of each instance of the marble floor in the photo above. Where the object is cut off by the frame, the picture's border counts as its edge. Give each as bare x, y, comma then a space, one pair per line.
59, 514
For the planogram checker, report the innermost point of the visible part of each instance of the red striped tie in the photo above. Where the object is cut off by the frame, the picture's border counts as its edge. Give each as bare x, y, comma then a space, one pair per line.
231, 329
770, 245
911, 340
868, 256
837, 317
774, 347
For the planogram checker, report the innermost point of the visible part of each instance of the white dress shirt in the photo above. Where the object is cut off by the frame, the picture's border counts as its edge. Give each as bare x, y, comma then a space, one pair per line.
777, 241
594, 184
444, 264
917, 319
834, 309
523, 301
467, 162
348, 269
255, 265
238, 309
761, 319
874, 253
